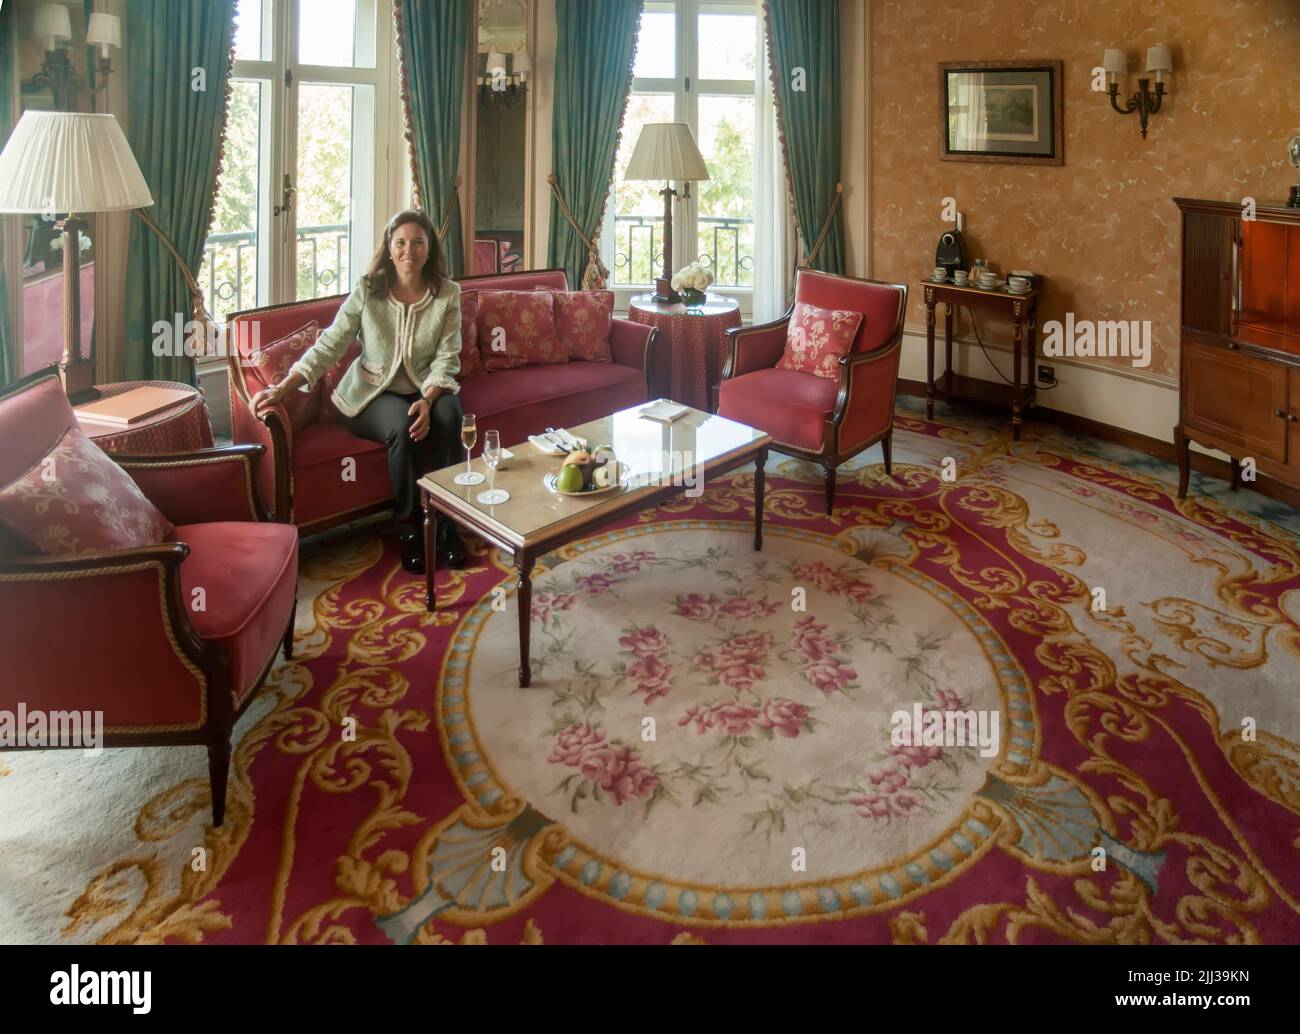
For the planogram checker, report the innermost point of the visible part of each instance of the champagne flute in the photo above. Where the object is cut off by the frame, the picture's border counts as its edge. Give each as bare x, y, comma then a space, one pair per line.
491, 457
468, 436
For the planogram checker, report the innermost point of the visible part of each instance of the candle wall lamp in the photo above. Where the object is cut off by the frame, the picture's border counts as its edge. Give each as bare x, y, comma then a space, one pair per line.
57, 74
1144, 102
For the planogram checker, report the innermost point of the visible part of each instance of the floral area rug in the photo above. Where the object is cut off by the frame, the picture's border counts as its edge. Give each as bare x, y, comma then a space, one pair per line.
709, 747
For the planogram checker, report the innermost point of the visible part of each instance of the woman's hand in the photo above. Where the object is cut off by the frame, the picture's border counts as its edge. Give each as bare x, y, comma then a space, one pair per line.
266, 400
420, 426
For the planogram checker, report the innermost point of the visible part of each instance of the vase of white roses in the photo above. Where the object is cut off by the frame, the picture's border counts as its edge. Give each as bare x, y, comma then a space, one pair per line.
691, 282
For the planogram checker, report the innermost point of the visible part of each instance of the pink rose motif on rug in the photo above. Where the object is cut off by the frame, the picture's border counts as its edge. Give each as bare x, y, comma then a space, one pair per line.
729, 718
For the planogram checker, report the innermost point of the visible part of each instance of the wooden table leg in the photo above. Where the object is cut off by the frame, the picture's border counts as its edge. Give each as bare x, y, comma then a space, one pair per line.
929, 359
1018, 389
1181, 446
1032, 355
430, 551
759, 485
947, 338
524, 600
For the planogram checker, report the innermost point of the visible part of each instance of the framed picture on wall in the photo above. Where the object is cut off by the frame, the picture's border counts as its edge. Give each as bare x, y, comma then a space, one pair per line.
1001, 111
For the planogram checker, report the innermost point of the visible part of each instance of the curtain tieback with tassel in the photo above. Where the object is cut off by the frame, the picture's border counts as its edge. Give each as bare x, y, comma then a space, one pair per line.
595, 276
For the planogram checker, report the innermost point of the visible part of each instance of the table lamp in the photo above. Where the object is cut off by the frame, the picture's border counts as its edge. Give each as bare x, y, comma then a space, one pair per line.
667, 151
73, 162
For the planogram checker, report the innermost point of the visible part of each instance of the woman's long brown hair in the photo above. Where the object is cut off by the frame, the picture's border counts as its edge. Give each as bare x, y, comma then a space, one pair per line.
383, 274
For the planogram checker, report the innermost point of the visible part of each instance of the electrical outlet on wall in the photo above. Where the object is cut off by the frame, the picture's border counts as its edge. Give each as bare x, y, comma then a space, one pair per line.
1047, 375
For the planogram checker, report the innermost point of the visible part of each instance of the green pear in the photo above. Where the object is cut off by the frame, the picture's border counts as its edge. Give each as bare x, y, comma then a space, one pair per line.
570, 478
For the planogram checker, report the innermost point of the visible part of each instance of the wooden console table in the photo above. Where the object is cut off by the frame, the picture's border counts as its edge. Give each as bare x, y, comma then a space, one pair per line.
953, 386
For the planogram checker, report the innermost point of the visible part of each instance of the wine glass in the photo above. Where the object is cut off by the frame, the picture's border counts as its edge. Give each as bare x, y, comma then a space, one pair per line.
468, 435
491, 457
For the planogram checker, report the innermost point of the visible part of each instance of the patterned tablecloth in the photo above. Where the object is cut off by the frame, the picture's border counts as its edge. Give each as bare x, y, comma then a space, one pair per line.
693, 346
179, 428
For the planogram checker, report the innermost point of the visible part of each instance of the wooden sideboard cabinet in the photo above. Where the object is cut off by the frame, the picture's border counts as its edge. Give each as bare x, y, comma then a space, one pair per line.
1239, 378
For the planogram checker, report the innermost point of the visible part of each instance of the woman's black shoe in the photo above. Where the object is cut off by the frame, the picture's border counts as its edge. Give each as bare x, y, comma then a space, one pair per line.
412, 545
451, 550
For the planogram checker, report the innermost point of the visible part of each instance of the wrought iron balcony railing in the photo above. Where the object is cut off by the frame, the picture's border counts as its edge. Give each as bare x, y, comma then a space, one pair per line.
725, 245
229, 273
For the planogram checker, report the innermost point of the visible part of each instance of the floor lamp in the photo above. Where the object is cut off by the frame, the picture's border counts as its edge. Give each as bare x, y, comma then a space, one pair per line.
667, 151
78, 163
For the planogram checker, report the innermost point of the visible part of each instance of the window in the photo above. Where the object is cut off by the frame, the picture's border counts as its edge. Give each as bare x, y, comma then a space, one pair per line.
697, 62
294, 218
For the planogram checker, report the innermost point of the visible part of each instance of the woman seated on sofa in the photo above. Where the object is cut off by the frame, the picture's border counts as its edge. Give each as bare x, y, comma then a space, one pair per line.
402, 388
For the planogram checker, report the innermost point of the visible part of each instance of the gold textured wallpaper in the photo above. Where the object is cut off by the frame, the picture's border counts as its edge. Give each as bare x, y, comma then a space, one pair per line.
1102, 227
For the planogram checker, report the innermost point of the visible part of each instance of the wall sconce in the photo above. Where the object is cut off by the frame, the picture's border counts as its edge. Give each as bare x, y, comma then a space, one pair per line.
1144, 102
499, 85
53, 24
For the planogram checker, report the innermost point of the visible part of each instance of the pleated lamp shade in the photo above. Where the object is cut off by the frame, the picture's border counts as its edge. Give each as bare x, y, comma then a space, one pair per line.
59, 161
666, 151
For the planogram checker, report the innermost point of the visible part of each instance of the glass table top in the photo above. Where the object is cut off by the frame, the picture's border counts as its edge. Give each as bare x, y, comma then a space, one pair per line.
652, 453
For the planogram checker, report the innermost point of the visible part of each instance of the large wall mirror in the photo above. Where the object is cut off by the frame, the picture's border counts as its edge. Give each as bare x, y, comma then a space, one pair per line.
503, 82
56, 70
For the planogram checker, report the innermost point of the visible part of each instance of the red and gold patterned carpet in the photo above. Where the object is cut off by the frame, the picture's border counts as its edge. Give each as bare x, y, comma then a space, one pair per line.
704, 752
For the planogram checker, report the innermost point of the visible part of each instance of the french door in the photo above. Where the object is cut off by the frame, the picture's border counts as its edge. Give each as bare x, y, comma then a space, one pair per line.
697, 62
295, 213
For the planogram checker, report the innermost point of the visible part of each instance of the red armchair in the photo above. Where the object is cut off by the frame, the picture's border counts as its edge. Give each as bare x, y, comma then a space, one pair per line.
815, 418
118, 631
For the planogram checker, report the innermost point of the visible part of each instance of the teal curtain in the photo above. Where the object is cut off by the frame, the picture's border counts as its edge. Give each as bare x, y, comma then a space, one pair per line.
434, 38
173, 48
8, 62
805, 53
596, 41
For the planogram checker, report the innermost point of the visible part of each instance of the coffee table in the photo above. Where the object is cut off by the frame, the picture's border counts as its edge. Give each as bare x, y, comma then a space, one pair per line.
662, 460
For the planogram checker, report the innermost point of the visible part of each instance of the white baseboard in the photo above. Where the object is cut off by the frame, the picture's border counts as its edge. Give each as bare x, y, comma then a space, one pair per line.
1147, 407
1131, 402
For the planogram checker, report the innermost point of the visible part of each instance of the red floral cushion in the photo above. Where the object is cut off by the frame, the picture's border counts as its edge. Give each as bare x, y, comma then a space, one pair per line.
584, 320
528, 322
817, 338
77, 500
271, 363
471, 363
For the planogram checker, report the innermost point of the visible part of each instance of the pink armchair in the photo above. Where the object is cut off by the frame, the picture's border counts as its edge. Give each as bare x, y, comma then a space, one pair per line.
117, 631
815, 418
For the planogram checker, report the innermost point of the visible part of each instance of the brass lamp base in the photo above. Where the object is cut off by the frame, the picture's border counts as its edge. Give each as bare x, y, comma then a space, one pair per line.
79, 381
1294, 200
664, 292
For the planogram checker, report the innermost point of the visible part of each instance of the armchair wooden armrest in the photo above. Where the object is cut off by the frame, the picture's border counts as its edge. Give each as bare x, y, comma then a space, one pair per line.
129, 612
864, 405
755, 348
274, 432
200, 486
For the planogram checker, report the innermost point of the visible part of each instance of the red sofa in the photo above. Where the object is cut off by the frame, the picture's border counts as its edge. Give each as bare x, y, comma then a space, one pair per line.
301, 470
115, 630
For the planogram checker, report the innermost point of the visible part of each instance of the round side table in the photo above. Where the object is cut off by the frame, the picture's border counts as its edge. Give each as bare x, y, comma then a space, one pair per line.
179, 428
688, 366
